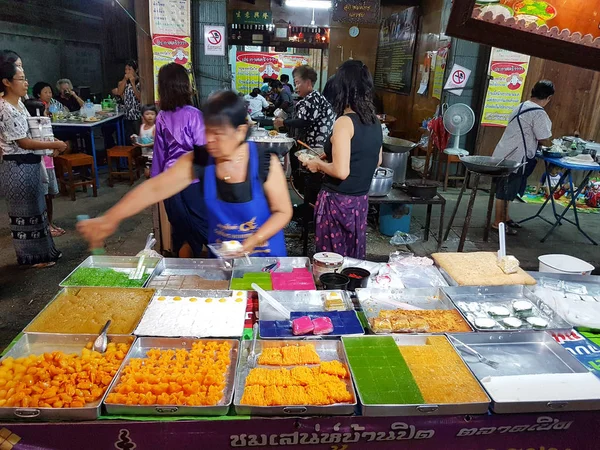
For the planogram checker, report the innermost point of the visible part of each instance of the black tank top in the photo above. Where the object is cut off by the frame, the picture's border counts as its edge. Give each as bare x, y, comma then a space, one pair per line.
364, 156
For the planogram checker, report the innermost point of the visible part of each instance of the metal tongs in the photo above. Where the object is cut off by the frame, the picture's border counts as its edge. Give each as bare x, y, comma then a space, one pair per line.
472, 351
101, 341
252, 357
271, 267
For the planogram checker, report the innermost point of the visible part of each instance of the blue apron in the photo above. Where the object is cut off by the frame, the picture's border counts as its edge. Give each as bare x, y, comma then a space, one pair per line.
238, 221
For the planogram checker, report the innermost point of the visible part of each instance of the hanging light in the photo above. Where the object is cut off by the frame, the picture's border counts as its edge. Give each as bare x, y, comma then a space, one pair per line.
316, 4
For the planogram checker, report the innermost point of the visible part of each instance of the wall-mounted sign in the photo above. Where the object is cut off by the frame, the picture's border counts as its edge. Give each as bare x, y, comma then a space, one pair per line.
561, 30
356, 11
168, 49
395, 53
214, 40
170, 17
252, 17
508, 71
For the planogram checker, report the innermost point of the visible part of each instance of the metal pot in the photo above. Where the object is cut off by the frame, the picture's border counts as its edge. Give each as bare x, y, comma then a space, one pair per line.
422, 188
381, 184
395, 156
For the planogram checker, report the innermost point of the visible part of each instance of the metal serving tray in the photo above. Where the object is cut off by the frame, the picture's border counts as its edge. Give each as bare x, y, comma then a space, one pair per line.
427, 408
125, 264
210, 269
38, 343
421, 298
327, 350
473, 302
139, 350
242, 266
240, 307
305, 301
530, 355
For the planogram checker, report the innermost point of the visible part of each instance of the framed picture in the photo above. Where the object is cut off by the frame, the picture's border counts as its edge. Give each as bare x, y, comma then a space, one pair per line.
566, 31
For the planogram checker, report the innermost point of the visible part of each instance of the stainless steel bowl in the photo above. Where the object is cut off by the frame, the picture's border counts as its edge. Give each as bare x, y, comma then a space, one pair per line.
381, 184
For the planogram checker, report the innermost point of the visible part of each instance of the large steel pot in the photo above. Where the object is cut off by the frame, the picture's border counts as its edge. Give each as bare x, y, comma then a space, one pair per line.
395, 156
381, 184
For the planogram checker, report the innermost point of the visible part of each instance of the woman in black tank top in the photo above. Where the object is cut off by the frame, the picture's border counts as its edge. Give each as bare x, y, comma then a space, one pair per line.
353, 153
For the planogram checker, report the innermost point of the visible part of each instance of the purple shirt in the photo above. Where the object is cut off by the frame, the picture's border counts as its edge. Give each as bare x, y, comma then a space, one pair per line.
176, 134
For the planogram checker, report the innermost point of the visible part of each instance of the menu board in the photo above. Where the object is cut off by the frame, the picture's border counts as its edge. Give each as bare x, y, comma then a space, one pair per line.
574, 21
396, 50
170, 17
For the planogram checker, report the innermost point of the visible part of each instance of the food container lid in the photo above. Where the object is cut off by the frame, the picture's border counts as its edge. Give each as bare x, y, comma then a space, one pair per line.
328, 258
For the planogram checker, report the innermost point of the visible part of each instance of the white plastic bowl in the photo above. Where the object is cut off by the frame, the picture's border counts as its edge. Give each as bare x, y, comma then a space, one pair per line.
564, 264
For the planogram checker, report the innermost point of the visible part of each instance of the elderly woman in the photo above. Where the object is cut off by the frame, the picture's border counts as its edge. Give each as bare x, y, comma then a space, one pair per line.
353, 153
21, 171
245, 191
130, 91
67, 96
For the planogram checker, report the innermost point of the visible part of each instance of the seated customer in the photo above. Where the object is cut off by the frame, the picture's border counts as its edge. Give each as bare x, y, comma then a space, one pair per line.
67, 96
256, 104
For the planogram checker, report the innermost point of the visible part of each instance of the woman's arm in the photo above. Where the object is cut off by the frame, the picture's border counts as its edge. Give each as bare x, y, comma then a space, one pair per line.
343, 132
136, 91
80, 102
121, 87
278, 197
380, 157
31, 144
165, 185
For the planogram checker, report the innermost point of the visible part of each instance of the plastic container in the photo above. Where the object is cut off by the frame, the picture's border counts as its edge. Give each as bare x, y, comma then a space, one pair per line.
334, 281
326, 262
360, 278
557, 263
394, 217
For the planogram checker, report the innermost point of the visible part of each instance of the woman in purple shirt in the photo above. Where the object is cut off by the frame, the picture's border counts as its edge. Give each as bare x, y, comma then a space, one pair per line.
179, 127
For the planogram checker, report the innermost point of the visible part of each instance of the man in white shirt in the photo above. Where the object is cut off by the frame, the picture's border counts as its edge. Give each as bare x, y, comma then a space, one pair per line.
256, 104
528, 125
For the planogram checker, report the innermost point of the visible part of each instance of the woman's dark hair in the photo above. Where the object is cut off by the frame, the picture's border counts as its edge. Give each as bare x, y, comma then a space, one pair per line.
38, 87
34, 105
255, 92
285, 78
225, 107
353, 87
133, 64
329, 90
8, 68
149, 107
276, 84
543, 89
174, 88
305, 73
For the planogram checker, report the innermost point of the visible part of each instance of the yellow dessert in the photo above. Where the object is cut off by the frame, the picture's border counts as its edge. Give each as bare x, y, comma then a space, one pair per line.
291, 355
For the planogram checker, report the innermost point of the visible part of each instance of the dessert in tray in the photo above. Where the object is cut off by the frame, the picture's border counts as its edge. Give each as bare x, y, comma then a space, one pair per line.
187, 282
86, 310
479, 269
196, 314
423, 321
95, 276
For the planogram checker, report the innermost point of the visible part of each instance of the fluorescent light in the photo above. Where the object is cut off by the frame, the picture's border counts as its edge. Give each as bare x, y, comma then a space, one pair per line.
315, 4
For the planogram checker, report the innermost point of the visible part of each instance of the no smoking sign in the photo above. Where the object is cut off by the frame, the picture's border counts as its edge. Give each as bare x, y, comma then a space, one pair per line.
457, 79
214, 44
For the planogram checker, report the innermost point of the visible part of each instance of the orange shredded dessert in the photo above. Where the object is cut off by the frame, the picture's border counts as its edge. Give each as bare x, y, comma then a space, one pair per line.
320, 385
59, 380
427, 320
195, 377
441, 375
86, 310
292, 355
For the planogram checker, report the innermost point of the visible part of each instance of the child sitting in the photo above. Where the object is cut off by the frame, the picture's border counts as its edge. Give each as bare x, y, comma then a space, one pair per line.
554, 174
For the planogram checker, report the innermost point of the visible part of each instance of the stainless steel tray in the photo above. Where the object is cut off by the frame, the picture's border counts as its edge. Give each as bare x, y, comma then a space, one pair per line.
305, 301
241, 266
210, 269
474, 301
327, 350
123, 264
139, 350
374, 300
38, 343
526, 360
207, 315
74, 291
427, 408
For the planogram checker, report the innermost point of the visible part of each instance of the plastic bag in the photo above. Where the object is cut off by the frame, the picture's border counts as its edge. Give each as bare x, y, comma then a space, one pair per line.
148, 251
402, 238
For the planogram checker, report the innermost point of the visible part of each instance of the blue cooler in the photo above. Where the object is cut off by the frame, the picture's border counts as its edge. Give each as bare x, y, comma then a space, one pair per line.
394, 217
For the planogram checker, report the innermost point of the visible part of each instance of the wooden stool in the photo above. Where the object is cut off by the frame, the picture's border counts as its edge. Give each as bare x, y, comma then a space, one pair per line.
449, 160
65, 165
132, 154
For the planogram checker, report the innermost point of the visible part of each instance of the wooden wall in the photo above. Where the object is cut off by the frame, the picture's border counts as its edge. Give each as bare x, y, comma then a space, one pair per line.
363, 47
410, 110
574, 107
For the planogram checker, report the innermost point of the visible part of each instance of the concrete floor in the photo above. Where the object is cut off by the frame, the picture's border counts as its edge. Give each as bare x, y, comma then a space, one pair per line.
25, 291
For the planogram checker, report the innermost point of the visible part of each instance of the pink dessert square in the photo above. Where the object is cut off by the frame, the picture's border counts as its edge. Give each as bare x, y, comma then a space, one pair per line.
302, 325
322, 325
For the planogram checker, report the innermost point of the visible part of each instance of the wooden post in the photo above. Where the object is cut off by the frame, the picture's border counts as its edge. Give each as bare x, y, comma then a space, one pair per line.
144, 51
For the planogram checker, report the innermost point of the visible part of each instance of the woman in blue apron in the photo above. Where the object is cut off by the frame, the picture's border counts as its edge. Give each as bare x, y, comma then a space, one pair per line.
244, 189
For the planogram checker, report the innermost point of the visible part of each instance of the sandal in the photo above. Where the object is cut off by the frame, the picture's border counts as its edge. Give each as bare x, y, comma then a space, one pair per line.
512, 224
44, 265
56, 231
509, 231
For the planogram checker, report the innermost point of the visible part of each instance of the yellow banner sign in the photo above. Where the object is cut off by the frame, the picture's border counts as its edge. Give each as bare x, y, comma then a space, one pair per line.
167, 49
